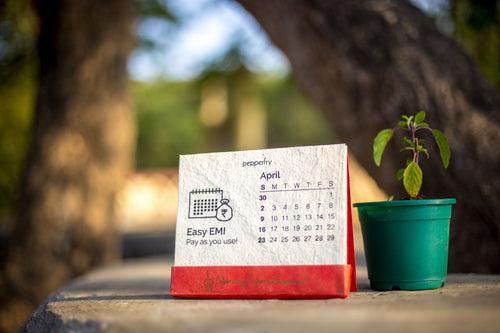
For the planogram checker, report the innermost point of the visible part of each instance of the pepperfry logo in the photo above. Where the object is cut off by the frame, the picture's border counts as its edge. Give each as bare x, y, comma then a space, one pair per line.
264, 162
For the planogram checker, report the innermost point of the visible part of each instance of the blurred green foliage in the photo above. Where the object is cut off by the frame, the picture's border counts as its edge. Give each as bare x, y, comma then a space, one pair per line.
17, 86
168, 118
167, 121
292, 119
477, 29
16, 105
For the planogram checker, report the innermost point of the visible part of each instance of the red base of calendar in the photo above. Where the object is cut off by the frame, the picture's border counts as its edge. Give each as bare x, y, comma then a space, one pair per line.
257, 282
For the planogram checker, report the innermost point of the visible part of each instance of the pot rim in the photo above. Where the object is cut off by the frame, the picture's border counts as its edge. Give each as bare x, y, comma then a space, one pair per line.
399, 203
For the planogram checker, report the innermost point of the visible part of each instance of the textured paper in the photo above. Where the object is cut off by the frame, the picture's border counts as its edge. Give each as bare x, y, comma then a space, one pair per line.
222, 209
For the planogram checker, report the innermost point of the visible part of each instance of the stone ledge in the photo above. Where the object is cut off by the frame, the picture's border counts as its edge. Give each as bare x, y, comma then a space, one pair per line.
133, 297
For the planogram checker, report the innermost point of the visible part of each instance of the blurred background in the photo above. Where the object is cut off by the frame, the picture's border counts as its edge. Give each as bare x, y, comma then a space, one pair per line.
200, 76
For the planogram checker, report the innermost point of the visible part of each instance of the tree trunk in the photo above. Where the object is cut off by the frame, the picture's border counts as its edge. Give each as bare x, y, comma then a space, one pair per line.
365, 63
81, 149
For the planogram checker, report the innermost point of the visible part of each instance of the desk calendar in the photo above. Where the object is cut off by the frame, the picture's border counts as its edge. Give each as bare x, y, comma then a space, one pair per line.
271, 223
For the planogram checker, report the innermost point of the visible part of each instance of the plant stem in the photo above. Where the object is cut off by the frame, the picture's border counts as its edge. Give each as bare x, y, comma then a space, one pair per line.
416, 150
414, 139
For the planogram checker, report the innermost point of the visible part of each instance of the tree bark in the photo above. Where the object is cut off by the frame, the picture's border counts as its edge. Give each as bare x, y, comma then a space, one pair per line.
367, 62
81, 149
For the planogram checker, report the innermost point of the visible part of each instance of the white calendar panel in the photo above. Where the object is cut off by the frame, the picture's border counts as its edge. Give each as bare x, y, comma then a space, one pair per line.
285, 206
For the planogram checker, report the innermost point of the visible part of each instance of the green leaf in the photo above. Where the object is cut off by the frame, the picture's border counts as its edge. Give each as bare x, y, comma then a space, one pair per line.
408, 142
380, 143
420, 117
390, 198
402, 124
399, 174
444, 148
408, 120
425, 151
423, 124
412, 179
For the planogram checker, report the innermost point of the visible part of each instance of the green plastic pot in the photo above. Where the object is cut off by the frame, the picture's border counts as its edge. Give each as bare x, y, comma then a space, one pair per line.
406, 242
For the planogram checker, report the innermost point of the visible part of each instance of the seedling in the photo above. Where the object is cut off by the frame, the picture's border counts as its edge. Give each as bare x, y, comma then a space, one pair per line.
413, 126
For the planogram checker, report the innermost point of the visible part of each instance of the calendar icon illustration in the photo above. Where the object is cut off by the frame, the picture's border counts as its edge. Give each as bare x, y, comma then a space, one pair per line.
209, 203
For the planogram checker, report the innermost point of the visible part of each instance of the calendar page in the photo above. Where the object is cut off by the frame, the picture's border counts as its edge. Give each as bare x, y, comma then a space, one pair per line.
285, 206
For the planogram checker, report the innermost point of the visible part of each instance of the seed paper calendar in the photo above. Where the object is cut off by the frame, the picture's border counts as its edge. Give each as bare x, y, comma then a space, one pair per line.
270, 223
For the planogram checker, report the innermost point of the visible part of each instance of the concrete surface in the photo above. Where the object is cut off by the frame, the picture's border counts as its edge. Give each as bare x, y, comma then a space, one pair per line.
133, 297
